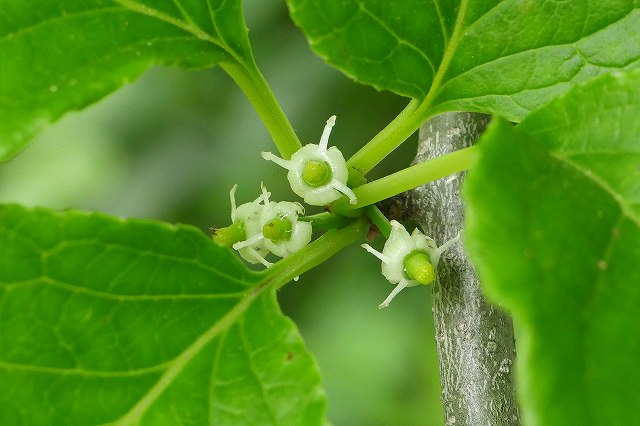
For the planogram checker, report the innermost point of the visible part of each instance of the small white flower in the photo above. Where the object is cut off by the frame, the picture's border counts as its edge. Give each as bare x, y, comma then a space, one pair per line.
252, 249
316, 173
270, 227
408, 260
283, 233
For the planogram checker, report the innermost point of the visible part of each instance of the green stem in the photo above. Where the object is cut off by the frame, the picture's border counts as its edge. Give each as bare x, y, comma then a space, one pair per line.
396, 132
411, 177
326, 221
411, 118
379, 219
317, 252
257, 90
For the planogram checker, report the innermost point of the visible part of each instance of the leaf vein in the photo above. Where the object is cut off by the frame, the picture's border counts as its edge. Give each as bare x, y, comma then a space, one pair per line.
181, 361
443, 28
60, 371
62, 18
255, 373
618, 198
125, 297
400, 40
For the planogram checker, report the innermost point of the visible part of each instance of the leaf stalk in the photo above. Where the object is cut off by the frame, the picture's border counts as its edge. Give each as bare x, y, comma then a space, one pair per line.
411, 177
257, 90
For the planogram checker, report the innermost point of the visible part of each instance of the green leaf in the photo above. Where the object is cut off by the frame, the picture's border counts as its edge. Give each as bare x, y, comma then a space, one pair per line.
553, 226
107, 320
502, 57
395, 46
64, 55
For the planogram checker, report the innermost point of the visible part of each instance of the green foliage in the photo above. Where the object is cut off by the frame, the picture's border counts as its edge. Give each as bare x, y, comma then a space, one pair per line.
136, 322
108, 320
500, 57
554, 227
56, 57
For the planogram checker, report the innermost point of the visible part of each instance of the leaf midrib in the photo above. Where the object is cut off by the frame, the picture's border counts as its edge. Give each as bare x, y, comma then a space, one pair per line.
447, 56
190, 27
134, 415
133, 6
439, 84
624, 206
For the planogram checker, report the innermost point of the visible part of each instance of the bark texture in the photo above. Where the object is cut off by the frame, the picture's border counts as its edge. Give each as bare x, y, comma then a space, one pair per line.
475, 340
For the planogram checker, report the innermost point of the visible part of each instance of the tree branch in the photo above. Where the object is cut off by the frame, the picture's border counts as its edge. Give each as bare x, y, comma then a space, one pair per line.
475, 340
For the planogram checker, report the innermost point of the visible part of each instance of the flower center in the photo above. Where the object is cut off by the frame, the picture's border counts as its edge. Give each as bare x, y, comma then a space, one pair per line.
279, 229
316, 173
418, 267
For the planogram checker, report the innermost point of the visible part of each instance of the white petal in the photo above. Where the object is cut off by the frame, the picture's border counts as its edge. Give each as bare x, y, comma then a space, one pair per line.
435, 257
321, 196
396, 248
344, 189
251, 241
338, 164
397, 289
232, 199
279, 161
253, 255
376, 253
324, 139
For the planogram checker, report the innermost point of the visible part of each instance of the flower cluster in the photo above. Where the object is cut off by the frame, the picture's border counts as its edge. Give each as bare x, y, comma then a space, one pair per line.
408, 260
261, 227
316, 173
319, 175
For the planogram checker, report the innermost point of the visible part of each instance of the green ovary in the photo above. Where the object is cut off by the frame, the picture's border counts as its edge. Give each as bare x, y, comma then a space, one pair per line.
418, 267
316, 173
278, 230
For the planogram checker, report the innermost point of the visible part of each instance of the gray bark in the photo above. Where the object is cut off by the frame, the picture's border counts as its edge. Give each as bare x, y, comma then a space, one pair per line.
475, 340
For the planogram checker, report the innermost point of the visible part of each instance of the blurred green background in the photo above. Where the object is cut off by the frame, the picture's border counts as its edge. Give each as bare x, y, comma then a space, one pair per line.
171, 145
